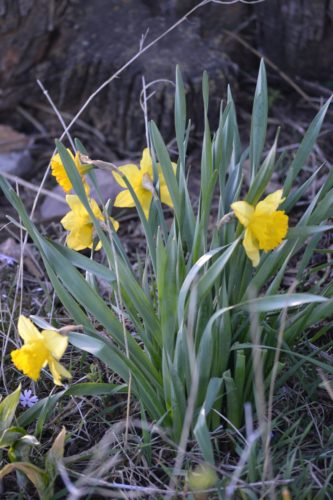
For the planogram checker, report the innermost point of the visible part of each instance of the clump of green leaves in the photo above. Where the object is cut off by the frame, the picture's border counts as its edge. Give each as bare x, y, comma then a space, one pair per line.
198, 299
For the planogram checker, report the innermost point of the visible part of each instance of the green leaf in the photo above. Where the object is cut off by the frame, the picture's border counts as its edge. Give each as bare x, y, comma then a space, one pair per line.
191, 275
180, 112
7, 409
81, 390
277, 302
292, 353
168, 173
206, 282
305, 231
10, 436
259, 121
144, 383
265, 304
234, 405
84, 263
263, 176
201, 431
306, 147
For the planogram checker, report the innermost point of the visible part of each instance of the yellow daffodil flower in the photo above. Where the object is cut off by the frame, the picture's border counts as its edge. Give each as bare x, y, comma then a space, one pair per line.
59, 172
80, 225
265, 226
141, 180
40, 349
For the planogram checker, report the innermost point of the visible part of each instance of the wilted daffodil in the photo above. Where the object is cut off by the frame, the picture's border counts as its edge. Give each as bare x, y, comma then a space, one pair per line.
40, 349
59, 171
265, 226
141, 180
80, 225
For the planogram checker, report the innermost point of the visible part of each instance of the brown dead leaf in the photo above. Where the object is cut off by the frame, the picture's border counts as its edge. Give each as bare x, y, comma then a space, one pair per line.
11, 140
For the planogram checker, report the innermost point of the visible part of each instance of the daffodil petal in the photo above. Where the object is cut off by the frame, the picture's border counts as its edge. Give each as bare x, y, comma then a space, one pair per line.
243, 211
27, 330
86, 186
70, 221
79, 223
58, 371
55, 342
76, 205
98, 246
145, 198
115, 223
96, 210
165, 196
269, 204
251, 247
146, 163
131, 171
124, 200
80, 238
160, 171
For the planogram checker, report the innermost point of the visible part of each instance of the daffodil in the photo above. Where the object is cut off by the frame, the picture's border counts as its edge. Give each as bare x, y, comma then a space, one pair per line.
141, 180
80, 225
265, 226
40, 349
59, 172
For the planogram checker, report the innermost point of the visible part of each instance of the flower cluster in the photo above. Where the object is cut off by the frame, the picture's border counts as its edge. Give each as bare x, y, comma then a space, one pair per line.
265, 228
47, 347
78, 221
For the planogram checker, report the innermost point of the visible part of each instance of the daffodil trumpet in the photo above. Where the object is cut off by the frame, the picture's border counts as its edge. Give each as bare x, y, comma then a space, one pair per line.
59, 172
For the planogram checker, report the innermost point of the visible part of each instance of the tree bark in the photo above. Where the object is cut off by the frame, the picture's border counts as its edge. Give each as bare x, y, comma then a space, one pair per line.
298, 36
74, 45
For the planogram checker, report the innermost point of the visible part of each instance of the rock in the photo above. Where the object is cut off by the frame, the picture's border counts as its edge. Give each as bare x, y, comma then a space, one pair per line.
16, 163
11, 252
107, 185
51, 209
15, 158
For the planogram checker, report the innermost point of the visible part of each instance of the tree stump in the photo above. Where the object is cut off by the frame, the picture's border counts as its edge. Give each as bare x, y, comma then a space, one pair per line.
72, 46
298, 36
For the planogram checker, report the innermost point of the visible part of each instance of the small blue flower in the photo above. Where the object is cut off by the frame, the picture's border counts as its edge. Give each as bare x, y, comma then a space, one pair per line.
8, 260
27, 399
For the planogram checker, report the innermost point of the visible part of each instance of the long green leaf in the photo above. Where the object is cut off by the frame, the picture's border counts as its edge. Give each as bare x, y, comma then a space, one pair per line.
259, 120
306, 147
